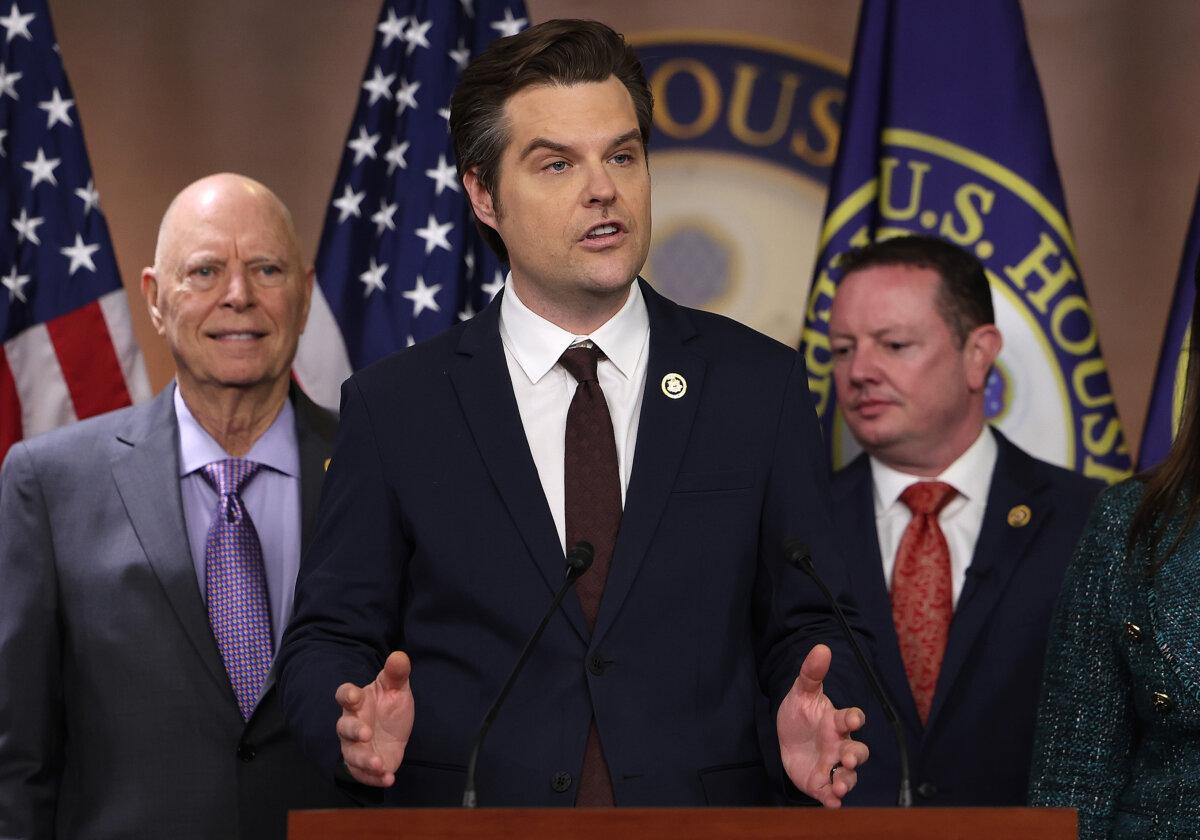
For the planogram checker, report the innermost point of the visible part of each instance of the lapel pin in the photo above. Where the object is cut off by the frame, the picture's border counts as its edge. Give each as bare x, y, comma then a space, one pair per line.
327, 460
1019, 516
674, 385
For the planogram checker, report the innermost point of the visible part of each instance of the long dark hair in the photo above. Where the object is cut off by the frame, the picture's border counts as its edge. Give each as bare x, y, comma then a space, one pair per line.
1172, 489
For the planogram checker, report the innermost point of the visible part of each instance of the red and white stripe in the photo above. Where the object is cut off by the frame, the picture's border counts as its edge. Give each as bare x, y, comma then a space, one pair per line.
78, 365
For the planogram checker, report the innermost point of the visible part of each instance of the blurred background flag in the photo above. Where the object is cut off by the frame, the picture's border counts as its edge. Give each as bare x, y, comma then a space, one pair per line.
400, 259
68, 347
1166, 399
944, 132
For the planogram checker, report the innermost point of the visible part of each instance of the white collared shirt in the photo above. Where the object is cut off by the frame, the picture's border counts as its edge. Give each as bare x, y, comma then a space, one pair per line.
961, 519
544, 388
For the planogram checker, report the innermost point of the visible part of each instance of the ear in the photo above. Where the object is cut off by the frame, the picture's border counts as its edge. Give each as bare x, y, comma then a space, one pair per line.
481, 199
979, 353
150, 293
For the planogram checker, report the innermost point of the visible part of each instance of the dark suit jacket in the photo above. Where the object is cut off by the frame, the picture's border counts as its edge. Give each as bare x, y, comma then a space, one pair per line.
435, 537
976, 747
117, 719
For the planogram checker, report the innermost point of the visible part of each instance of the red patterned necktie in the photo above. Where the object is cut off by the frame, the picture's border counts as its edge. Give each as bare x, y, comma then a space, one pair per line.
236, 583
922, 597
592, 485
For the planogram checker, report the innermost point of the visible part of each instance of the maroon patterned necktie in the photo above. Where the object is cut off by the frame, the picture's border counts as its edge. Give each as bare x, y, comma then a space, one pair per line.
236, 583
592, 484
922, 595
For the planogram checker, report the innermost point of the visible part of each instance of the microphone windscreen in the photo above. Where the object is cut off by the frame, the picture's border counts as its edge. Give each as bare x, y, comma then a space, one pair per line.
579, 557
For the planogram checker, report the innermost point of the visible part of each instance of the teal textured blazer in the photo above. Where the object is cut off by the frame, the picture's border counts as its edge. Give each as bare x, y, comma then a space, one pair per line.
1118, 733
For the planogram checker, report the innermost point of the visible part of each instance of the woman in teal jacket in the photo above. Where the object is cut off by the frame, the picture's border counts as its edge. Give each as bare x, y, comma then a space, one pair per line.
1118, 733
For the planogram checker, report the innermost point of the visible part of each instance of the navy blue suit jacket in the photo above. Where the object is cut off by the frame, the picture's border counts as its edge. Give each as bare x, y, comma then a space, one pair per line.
435, 537
977, 745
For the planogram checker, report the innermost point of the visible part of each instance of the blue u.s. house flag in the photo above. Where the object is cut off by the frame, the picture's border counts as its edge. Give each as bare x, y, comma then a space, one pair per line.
1166, 400
400, 259
944, 133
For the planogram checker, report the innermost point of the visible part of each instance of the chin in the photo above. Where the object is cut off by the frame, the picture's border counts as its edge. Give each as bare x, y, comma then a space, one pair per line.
607, 283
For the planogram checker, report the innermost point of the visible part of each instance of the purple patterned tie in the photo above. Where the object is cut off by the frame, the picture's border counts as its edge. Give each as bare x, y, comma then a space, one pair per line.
236, 583
592, 484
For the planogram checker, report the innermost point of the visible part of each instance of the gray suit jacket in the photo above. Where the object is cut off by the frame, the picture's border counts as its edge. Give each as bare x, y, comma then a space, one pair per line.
117, 718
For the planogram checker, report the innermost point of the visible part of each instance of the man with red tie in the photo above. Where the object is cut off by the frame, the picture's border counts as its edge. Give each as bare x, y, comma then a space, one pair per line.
956, 539
579, 405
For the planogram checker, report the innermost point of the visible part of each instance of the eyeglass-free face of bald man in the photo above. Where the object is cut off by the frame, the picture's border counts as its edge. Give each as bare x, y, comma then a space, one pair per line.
453, 493
141, 605
958, 598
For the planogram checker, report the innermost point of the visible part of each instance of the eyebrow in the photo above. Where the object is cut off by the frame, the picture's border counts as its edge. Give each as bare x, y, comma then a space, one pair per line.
546, 143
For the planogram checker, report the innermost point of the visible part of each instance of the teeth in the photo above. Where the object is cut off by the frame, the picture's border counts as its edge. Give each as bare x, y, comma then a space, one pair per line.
603, 230
238, 336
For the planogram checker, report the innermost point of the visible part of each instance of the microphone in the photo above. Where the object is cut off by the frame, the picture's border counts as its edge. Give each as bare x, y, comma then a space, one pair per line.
579, 560
797, 553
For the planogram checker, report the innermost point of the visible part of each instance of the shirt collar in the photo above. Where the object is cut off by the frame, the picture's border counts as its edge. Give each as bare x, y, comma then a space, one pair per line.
970, 474
276, 448
537, 344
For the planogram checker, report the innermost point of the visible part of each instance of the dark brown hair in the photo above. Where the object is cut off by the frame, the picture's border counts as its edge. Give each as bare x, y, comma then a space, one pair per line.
556, 52
1172, 489
964, 296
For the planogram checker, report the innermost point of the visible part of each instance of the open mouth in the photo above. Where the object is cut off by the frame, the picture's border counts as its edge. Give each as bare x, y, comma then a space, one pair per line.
235, 335
604, 232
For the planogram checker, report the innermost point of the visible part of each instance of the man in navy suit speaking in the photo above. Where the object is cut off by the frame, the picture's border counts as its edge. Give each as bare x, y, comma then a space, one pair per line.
956, 539
579, 406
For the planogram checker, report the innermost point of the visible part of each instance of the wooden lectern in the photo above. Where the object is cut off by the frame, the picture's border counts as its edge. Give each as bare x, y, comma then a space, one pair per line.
683, 824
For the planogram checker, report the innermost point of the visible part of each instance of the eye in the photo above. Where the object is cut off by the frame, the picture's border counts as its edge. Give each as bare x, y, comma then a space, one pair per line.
840, 351
270, 274
557, 166
203, 276
622, 158
896, 346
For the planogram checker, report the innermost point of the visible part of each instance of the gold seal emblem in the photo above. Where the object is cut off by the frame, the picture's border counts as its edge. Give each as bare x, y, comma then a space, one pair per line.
674, 385
1019, 516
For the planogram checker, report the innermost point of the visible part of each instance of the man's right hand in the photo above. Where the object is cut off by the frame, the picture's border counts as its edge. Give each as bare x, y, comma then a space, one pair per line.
376, 723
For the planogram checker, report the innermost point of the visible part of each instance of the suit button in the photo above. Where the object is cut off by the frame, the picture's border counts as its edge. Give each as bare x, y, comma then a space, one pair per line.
246, 751
561, 781
597, 664
1162, 702
1133, 632
927, 790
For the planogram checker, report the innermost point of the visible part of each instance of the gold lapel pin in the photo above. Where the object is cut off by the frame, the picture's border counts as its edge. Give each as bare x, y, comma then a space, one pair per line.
1019, 516
327, 460
674, 385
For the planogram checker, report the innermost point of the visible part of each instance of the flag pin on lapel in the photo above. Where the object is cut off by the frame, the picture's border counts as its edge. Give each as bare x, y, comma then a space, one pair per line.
674, 385
1019, 516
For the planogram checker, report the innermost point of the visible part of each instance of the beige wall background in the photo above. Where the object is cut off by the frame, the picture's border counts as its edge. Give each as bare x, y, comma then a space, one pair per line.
174, 89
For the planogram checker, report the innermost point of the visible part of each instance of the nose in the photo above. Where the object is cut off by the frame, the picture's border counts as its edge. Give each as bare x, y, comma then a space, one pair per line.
862, 367
601, 189
239, 292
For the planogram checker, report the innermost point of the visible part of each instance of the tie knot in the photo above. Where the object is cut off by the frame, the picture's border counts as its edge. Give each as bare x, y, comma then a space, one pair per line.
228, 477
581, 362
928, 497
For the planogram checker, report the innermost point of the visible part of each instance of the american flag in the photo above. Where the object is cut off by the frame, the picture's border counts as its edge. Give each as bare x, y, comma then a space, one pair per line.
400, 258
68, 347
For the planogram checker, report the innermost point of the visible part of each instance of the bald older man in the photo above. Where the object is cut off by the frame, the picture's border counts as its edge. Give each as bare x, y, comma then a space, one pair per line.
148, 559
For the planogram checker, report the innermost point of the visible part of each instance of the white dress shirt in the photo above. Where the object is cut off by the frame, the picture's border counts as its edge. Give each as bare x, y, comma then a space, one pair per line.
544, 388
961, 519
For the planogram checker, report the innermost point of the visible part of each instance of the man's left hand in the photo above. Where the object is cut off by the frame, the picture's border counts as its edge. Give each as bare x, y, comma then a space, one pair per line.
814, 738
